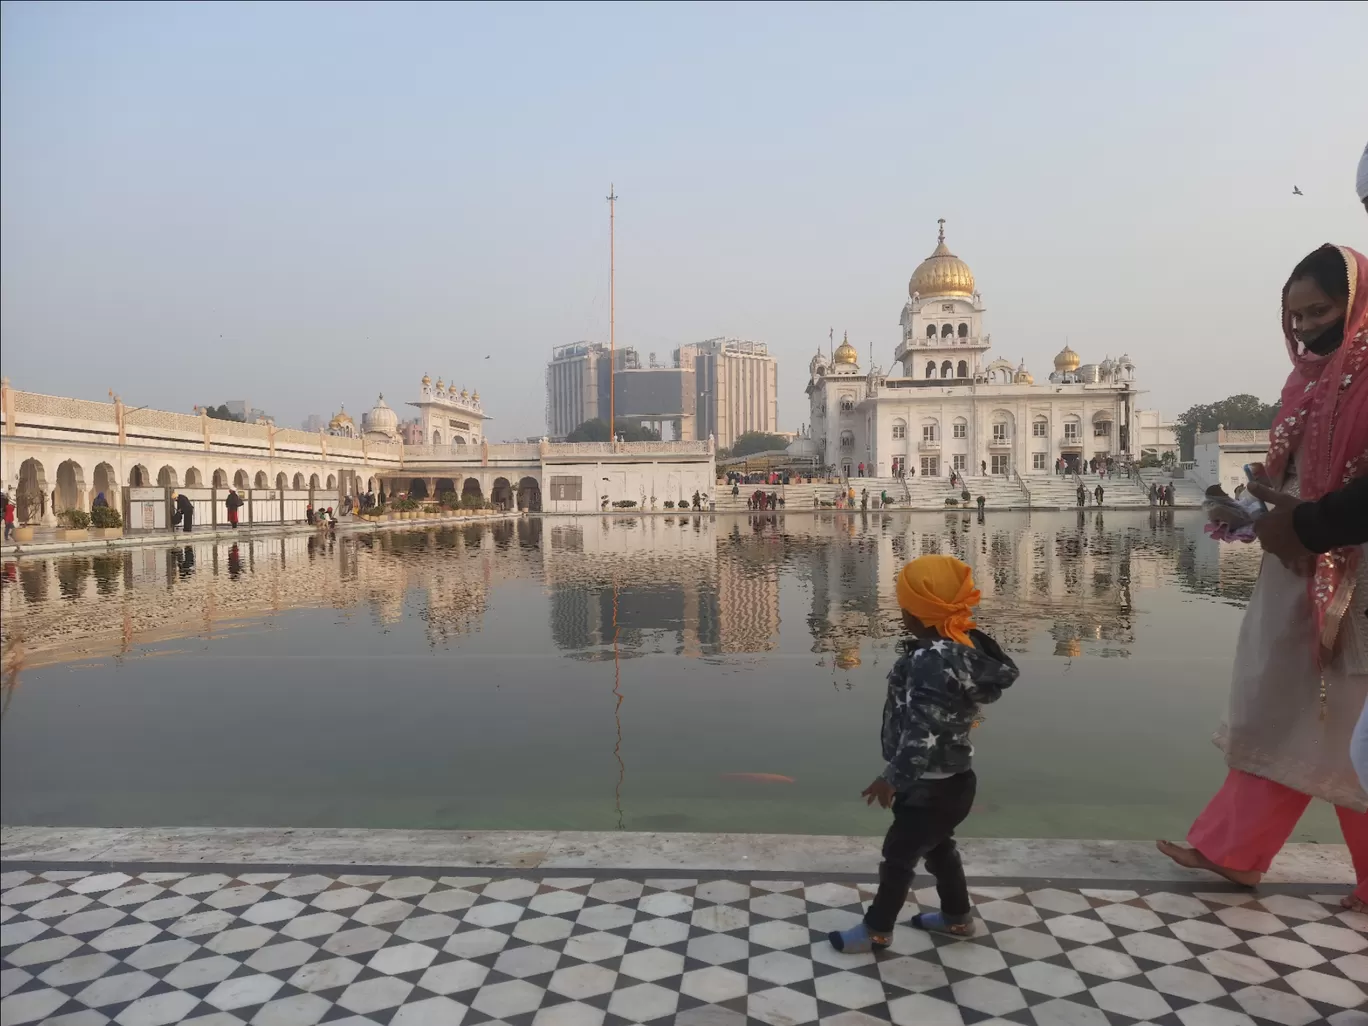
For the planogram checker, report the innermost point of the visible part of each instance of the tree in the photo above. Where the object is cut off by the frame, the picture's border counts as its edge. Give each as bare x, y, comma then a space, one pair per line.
596, 430
219, 413
757, 441
1238, 411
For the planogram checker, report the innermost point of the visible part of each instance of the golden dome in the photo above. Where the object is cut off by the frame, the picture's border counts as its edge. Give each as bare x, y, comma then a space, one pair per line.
440, 386
340, 418
845, 352
452, 391
1067, 361
1023, 376
942, 273
426, 381
475, 395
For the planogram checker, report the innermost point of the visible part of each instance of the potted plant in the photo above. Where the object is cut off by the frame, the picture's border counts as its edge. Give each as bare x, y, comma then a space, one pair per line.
952, 502
603, 503
669, 503
23, 534
75, 525
106, 522
965, 496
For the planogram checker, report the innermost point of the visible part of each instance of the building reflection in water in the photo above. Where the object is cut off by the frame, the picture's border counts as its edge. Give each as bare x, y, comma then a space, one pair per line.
692, 585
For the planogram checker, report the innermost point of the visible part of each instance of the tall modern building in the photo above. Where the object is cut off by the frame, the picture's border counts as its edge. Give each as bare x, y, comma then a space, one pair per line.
737, 387
722, 387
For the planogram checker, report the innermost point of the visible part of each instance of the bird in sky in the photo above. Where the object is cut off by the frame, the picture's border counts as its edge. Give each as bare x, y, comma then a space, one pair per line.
1295, 192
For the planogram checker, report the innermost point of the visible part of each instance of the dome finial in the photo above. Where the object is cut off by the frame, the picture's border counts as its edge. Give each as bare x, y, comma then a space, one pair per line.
941, 238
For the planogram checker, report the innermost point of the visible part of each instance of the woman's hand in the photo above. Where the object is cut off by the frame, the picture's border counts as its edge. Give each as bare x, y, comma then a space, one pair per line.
1277, 533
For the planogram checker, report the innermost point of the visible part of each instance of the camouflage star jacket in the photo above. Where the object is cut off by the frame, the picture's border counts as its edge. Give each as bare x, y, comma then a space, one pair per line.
934, 693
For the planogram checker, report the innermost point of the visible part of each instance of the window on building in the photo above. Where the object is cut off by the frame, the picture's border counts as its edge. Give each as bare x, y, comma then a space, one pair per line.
963, 330
1038, 460
963, 370
1102, 429
1072, 430
1001, 463
566, 489
847, 439
947, 369
847, 404
930, 466
899, 429
930, 368
1000, 432
1040, 428
930, 432
961, 429
930, 331
958, 461
947, 330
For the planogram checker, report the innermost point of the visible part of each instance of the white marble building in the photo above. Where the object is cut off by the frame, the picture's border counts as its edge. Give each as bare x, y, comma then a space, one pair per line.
947, 406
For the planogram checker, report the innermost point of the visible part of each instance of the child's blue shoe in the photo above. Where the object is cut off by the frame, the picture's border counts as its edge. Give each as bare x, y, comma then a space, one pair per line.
858, 940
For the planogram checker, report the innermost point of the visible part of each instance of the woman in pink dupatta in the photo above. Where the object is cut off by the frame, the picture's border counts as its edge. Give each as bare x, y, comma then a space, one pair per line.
1301, 663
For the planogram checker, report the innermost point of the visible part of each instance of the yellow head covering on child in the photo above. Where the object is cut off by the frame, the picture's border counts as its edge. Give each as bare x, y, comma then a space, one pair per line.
939, 591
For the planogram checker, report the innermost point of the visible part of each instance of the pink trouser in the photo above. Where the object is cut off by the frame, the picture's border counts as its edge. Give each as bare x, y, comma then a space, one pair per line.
1250, 819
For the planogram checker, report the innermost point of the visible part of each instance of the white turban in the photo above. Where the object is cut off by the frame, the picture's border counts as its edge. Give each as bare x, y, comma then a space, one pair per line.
1363, 175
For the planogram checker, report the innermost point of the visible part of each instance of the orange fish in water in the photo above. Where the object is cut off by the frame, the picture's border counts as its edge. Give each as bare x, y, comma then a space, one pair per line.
759, 778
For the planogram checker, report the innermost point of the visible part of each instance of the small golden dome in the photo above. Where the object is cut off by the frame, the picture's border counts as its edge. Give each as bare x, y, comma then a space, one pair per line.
942, 273
426, 381
440, 386
465, 394
1023, 376
845, 352
340, 418
475, 395
1067, 361
452, 391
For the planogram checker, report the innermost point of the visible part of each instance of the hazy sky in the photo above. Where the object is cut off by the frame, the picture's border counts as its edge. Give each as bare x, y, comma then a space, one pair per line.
304, 205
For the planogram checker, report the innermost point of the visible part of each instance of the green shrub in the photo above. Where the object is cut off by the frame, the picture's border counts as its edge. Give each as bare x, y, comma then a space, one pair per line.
624, 504
669, 503
448, 499
405, 505
106, 516
75, 519
952, 502
472, 502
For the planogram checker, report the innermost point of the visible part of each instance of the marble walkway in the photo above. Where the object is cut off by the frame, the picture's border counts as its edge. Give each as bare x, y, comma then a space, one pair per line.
86, 944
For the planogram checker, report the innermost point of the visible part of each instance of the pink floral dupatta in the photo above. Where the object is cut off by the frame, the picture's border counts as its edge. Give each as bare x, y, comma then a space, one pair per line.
1323, 421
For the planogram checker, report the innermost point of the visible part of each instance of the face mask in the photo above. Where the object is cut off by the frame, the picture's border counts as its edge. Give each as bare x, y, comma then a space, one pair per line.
1327, 341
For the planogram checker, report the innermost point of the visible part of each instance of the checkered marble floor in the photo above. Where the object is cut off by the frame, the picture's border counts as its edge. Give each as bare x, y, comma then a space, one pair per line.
85, 947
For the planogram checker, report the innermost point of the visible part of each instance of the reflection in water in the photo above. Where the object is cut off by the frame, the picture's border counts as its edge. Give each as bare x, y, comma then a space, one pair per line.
398, 666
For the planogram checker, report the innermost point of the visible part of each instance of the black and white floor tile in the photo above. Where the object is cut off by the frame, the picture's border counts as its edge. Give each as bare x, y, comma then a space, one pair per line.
83, 948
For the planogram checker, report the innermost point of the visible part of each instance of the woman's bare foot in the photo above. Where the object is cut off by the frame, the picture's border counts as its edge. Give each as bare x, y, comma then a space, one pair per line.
1354, 903
1191, 858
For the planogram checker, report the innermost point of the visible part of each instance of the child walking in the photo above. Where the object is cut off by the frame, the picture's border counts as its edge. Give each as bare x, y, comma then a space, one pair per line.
947, 670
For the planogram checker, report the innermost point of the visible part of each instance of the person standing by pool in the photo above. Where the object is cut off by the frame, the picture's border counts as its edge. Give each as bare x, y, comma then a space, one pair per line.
234, 503
1097, 495
186, 509
1301, 662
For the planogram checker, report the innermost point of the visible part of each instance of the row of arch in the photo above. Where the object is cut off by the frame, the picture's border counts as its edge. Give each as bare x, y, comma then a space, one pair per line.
1002, 422
35, 495
948, 369
456, 440
948, 330
502, 492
